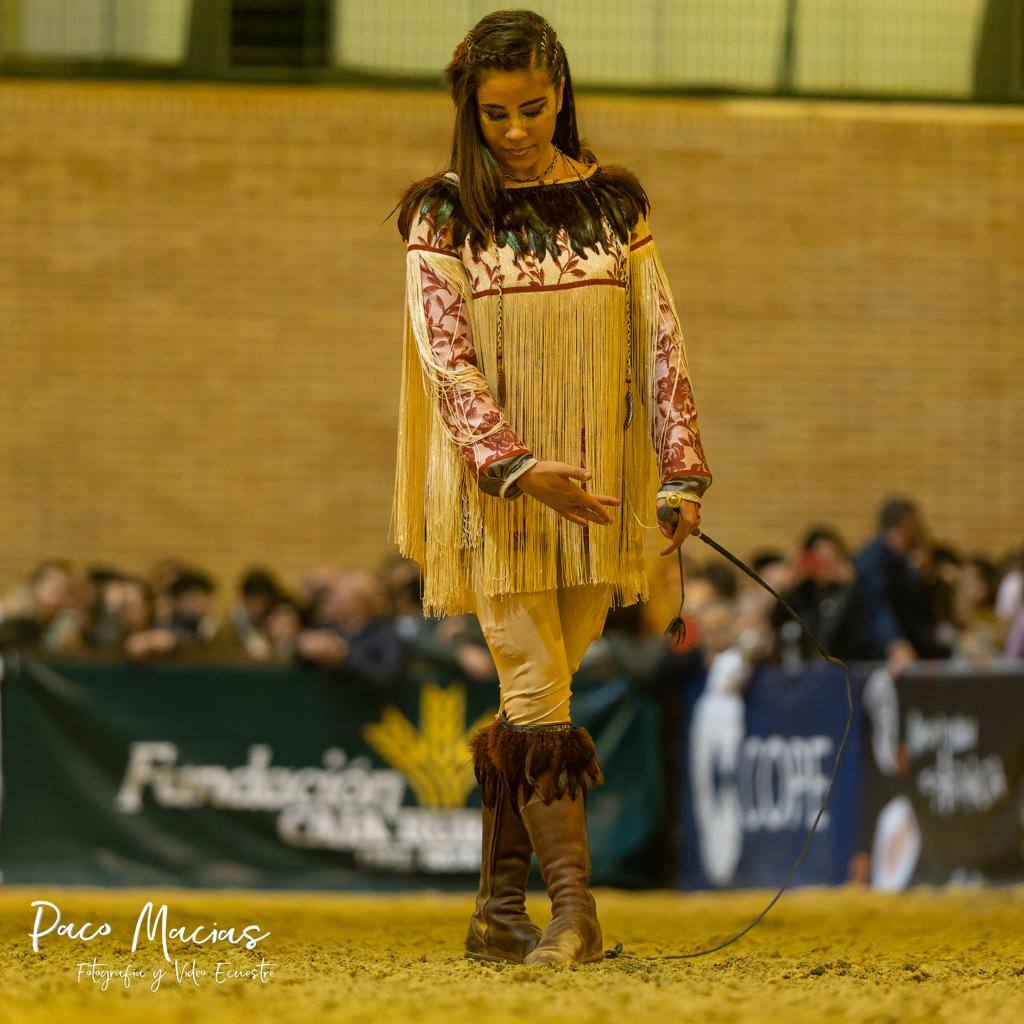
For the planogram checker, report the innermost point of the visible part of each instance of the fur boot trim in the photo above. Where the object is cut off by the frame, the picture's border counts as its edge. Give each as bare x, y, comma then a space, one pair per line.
484, 768
553, 762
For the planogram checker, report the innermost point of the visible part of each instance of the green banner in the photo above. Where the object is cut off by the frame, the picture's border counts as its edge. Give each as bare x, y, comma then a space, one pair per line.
274, 777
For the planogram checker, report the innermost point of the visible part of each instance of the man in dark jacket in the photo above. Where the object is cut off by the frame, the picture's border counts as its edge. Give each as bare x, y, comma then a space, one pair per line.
891, 618
351, 631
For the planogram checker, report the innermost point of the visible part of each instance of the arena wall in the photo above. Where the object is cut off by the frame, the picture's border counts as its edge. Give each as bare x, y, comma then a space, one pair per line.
201, 313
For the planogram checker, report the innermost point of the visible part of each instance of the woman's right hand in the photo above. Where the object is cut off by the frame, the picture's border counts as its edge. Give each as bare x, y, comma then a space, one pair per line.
554, 484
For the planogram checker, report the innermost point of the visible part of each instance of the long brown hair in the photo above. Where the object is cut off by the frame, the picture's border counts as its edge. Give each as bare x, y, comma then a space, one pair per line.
514, 40
507, 41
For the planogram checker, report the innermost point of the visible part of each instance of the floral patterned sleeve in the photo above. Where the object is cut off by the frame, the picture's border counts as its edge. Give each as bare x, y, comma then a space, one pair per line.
438, 292
673, 410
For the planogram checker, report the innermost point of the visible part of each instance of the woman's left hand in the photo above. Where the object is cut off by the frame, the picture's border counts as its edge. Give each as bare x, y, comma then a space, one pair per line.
688, 517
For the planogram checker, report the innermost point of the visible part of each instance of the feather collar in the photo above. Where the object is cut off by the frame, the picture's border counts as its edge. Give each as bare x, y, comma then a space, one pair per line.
530, 217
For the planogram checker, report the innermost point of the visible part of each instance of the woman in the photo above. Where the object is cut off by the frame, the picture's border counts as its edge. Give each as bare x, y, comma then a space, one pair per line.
543, 354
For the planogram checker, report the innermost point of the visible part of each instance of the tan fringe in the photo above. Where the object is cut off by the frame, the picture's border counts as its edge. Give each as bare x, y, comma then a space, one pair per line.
564, 359
407, 525
650, 279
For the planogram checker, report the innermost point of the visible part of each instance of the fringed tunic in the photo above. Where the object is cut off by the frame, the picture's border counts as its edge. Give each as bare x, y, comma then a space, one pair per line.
567, 258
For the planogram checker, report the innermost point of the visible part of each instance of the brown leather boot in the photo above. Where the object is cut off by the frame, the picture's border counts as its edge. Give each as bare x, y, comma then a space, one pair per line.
559, 832
550, 767
500, 928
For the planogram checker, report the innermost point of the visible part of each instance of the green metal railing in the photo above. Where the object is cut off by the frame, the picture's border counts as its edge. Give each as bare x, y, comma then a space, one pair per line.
935, 50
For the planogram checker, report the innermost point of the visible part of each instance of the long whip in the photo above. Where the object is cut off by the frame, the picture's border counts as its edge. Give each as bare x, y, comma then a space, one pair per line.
677, 628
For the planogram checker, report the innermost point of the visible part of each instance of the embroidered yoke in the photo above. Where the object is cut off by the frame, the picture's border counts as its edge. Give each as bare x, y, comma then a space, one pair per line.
568, 257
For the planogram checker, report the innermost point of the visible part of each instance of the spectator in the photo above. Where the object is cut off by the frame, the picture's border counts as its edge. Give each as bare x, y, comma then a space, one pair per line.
775, 568
981, 632
941, 576
820, 587
891, 615
315, 583
123, 605
101, 630
192, 615
722, 579
351, 631
249, 618
45, 612
162, 575
752, 632
716, 626
625, 647
713, 585
456, 641
283, 625
189, 624
1009, 605
1015, 638
460, 638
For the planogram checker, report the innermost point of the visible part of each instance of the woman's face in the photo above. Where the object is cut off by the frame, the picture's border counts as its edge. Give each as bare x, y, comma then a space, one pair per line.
517, 112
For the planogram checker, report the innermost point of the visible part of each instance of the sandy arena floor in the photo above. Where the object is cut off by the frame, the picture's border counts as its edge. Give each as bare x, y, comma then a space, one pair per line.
820, 955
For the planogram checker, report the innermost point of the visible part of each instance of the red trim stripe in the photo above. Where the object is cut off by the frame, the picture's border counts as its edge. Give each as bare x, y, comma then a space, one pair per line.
431, 248
549, 287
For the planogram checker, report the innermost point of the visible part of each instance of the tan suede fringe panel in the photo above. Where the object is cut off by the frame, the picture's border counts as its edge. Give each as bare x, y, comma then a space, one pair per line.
564, 359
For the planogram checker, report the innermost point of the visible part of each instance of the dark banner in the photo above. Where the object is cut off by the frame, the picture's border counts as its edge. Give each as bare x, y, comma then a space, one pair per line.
756, 759
249, 776
948, 778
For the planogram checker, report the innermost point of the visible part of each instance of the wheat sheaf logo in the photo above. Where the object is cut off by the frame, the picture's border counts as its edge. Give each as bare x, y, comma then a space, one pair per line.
435, 757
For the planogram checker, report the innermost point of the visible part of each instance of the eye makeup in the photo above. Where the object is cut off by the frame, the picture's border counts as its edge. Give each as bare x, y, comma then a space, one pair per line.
535, 112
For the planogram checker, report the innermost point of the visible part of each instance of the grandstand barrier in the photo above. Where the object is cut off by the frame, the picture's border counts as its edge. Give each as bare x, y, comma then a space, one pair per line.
247, 776
946, 775
756, 766
254, 776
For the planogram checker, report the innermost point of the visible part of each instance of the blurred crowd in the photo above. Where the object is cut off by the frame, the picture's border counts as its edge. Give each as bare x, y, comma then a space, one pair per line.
900, 597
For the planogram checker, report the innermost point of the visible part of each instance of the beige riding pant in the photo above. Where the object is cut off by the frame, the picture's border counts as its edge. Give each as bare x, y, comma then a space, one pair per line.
537, 640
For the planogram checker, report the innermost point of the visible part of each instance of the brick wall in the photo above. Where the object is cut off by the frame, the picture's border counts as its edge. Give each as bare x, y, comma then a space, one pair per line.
201, 313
